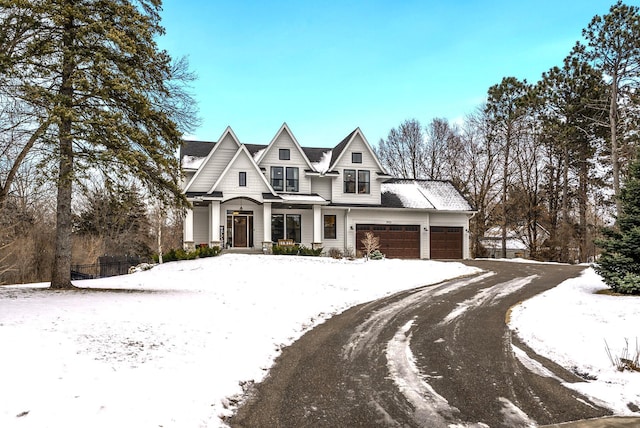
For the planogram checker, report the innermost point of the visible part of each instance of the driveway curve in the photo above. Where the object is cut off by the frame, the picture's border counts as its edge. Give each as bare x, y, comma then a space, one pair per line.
436, 356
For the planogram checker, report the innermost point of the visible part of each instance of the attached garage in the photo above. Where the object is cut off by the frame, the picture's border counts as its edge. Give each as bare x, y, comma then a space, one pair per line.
396, 241
446, 242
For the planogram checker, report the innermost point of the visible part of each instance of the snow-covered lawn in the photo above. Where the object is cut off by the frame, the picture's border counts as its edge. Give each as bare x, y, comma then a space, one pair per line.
171, 346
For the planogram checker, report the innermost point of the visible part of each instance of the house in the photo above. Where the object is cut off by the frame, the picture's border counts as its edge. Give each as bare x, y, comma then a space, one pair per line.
252, 196
518, 243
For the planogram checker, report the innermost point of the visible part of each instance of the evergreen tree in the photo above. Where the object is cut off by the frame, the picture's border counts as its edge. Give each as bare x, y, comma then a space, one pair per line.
112, 102
619, 264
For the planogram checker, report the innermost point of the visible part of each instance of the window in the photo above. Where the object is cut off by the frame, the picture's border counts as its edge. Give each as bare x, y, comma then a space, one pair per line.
294, 227
356, 157
277, 179
349, 181
292, 179
286, 227
242, 179
329, 227
363, 181
277, 227
284, 154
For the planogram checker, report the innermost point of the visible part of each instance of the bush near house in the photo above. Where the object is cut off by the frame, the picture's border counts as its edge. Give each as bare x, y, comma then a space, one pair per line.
295, 250
180, 254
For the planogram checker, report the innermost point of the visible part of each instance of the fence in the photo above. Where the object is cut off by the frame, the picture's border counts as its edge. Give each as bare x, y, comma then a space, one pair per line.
105, 267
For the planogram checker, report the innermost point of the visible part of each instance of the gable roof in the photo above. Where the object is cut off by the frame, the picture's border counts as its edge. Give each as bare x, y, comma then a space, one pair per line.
242, 150
285, 128
227, 132
424, 194
342, 146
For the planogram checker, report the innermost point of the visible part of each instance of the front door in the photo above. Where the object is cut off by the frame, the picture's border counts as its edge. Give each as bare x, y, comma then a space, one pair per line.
239, 231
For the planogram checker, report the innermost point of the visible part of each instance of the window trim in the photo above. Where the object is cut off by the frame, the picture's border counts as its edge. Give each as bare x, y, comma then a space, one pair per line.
347, 183
242, 179
295, 181
332, 229
367, 189
280, 187
284, 154
354, 156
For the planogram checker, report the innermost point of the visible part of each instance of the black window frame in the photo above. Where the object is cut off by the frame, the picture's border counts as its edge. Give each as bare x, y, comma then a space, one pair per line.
350, 177
292, 184
356, 157
364, 186
330, 230
242, 179
277, 183
284, 154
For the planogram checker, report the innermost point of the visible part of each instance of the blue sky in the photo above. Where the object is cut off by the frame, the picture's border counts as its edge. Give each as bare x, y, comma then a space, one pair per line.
327, 67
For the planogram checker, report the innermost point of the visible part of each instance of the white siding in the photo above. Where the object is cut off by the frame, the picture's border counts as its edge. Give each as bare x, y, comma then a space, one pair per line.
368, 163
230, 184
297, 160
322, 186
338, 243
244, 205
211, 171
200, 225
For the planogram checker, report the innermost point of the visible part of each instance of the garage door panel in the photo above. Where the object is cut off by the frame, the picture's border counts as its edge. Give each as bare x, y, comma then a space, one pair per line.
396, 241
446, 242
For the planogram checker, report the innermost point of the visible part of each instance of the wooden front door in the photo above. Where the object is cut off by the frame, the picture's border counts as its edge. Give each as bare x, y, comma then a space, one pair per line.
240, 231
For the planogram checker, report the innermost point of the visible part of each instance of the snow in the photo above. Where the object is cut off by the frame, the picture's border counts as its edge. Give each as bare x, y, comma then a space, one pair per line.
569, 324
409, 194
325, 162
192, 162
172, 346
426, 194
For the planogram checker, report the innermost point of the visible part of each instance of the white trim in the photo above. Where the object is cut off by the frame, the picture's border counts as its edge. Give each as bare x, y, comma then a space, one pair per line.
282, 129
366, 143
244, 150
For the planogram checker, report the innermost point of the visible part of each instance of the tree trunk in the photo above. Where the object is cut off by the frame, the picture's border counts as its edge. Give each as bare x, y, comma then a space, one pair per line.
613, 124
61, 272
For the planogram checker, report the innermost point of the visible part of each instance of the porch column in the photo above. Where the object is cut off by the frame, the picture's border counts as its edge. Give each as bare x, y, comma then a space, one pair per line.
317, 227
187, 232
266, 223
214, 224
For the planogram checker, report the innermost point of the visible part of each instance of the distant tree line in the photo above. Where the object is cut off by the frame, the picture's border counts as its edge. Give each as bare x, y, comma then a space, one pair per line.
544, 156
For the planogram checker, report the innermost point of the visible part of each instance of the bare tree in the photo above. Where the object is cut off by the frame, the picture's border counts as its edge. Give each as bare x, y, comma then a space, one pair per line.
402, 153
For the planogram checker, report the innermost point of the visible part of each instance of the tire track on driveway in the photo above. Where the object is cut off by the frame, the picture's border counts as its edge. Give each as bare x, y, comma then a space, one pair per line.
437, 356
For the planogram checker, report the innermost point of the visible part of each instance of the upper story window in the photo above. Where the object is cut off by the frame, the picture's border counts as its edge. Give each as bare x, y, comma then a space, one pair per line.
357, 181
356, 157
284, 154
242, 179
363, 181
349, 181
292, 179
277, 178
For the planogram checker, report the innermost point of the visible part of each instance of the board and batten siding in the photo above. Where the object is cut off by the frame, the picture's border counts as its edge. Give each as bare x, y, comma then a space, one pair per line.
272, 158
322, 186
210, 172
201, 225
368, 163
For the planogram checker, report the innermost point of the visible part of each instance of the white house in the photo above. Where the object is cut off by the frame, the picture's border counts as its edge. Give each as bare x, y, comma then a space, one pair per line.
252, 196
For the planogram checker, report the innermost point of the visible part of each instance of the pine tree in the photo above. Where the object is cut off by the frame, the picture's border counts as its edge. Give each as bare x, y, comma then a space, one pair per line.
111, 100
619, 264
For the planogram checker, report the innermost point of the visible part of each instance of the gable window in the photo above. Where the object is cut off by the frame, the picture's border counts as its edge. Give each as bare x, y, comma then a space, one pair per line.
329, 227
277, 178
363, 181
242, 179
356, 157
349, 181
284, 154
292, 179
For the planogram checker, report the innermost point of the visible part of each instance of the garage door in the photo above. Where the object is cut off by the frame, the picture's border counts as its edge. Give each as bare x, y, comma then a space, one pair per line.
396, 241
446, 242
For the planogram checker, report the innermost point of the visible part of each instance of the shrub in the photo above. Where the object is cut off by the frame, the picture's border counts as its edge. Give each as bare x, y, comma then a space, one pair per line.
201, 252
285, 250
306, 251
376, 255
335, 253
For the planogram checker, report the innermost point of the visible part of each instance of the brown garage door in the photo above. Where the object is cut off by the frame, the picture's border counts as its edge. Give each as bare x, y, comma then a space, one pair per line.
446, 242
396, 241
